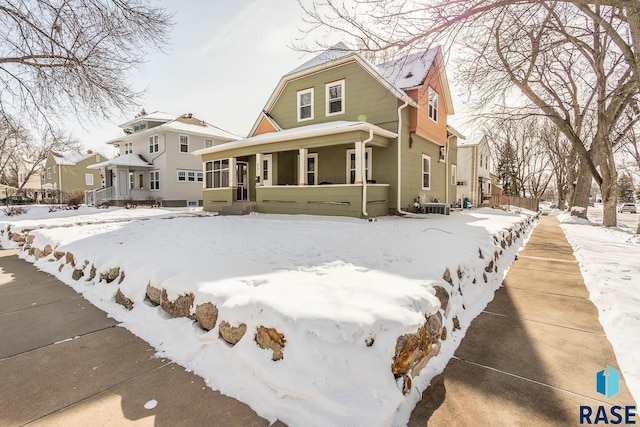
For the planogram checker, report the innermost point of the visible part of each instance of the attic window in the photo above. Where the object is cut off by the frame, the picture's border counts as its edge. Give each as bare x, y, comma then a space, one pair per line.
335, 97
433, 105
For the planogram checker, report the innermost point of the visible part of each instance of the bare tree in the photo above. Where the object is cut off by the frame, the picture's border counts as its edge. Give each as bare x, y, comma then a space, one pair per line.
72, 57
558, 151
575, 61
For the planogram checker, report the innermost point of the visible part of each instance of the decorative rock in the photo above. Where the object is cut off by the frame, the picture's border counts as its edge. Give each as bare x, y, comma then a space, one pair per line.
409, 349
48, 250
111, 275
58, 254
70, 259
269, 338
37, 253
480, 253
406, 386
207, 315
77, 274
434, 325
369, 341
123, 300
181, 307
459, 273
61, 267
484, 276
30, 238
447, 277
232, 334
121, 276
489, 267
503, 244
443, 334
154, 294
495, 268
442, 295
496, 255
17, 237
456, 323
92, 272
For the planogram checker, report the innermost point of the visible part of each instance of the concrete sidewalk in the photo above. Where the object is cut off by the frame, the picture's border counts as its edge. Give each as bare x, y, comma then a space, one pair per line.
531, 357
64, 363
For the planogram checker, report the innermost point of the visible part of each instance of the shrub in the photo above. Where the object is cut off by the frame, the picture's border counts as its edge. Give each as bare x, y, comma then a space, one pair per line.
15, 210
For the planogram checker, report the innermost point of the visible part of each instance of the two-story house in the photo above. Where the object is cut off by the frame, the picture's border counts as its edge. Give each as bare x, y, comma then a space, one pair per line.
155, 161
475, 171
341, 136
29, 178
66, 173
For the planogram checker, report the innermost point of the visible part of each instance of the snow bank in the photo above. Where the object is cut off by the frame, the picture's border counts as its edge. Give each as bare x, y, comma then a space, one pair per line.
609, 259
318, 320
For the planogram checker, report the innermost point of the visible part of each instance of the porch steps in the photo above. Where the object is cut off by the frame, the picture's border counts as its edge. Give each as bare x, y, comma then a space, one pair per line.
238, 209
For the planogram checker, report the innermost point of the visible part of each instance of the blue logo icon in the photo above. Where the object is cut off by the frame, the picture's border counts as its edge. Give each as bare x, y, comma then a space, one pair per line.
608, 382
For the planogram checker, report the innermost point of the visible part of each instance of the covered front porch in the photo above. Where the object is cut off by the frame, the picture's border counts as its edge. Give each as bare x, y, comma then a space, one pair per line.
125, 178
341, 173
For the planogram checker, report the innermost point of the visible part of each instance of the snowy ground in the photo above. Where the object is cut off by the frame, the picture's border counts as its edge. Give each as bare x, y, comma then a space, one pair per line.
609, 260
340, 290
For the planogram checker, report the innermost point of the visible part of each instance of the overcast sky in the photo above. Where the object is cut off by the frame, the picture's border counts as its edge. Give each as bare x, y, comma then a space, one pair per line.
224, 61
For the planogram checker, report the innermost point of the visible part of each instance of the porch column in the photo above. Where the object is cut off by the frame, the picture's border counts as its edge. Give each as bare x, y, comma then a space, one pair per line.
259, 169
233, 173
302, 166
359, 160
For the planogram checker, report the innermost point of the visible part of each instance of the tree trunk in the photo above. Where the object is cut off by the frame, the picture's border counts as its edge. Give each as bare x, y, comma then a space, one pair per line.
581, 192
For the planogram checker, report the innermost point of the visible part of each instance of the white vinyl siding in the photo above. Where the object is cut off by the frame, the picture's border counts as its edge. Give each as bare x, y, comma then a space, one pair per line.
184, 175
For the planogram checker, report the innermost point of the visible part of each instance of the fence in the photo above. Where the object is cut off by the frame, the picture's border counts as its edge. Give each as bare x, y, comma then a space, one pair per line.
521, 202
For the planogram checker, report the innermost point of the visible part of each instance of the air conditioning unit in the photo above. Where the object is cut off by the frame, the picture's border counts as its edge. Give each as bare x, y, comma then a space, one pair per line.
436, 208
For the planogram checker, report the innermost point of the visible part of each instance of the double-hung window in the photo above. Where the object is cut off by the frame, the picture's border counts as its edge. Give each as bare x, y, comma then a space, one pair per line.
154, 145
334, 93
88, 179
184, 143
454, 171
217, 174
426, 172
305, 104
433, 105
154, 180
128, 147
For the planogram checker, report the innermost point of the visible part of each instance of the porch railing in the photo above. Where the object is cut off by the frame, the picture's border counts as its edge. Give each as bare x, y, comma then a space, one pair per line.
104, 194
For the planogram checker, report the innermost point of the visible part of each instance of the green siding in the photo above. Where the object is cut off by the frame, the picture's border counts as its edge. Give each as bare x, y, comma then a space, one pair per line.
323, 200
364, 95
214, 200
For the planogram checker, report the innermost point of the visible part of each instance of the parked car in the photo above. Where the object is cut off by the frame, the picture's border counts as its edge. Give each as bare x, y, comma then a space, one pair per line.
17, 200
627, 207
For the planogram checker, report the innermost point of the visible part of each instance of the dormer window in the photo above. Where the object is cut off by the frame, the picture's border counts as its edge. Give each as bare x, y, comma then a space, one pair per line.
305, 104
141, 125
433, 105
335, 98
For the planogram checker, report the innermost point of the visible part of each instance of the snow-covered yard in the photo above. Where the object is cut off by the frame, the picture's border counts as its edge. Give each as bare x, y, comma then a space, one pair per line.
339, 299
609, 260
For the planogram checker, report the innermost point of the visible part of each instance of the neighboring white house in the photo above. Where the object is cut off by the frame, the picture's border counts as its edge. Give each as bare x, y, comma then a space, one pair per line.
155, 162
474, 171
32, 185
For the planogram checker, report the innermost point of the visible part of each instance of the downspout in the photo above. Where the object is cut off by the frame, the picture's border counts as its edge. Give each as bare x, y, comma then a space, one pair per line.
399, 202
447, 169
364, 171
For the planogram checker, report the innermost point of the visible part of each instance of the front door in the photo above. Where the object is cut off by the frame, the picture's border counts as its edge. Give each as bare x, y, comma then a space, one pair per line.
243, 181
123, 183
266, 171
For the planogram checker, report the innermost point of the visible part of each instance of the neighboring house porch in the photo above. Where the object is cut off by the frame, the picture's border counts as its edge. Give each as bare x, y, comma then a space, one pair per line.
335, 168
124, 178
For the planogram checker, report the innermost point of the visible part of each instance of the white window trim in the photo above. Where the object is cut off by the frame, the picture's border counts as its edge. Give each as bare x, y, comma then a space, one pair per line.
454, 174
369, 165
180, 144
205, 142
88, 177
154, 143
213, 171
298, 94
437, 102
442, 155
157, 181
128, 147
192, 203
98, 158
315, 172
326, 94
424, 156
196, 174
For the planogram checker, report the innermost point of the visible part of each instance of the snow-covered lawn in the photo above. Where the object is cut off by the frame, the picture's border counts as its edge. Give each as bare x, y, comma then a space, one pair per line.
609, 260
341, 291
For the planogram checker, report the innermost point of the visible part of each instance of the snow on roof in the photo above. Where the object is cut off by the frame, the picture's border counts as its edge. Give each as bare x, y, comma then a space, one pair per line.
193, 125
336, 51
130, 159
409, 71
156, 116
71, 158
310, 131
